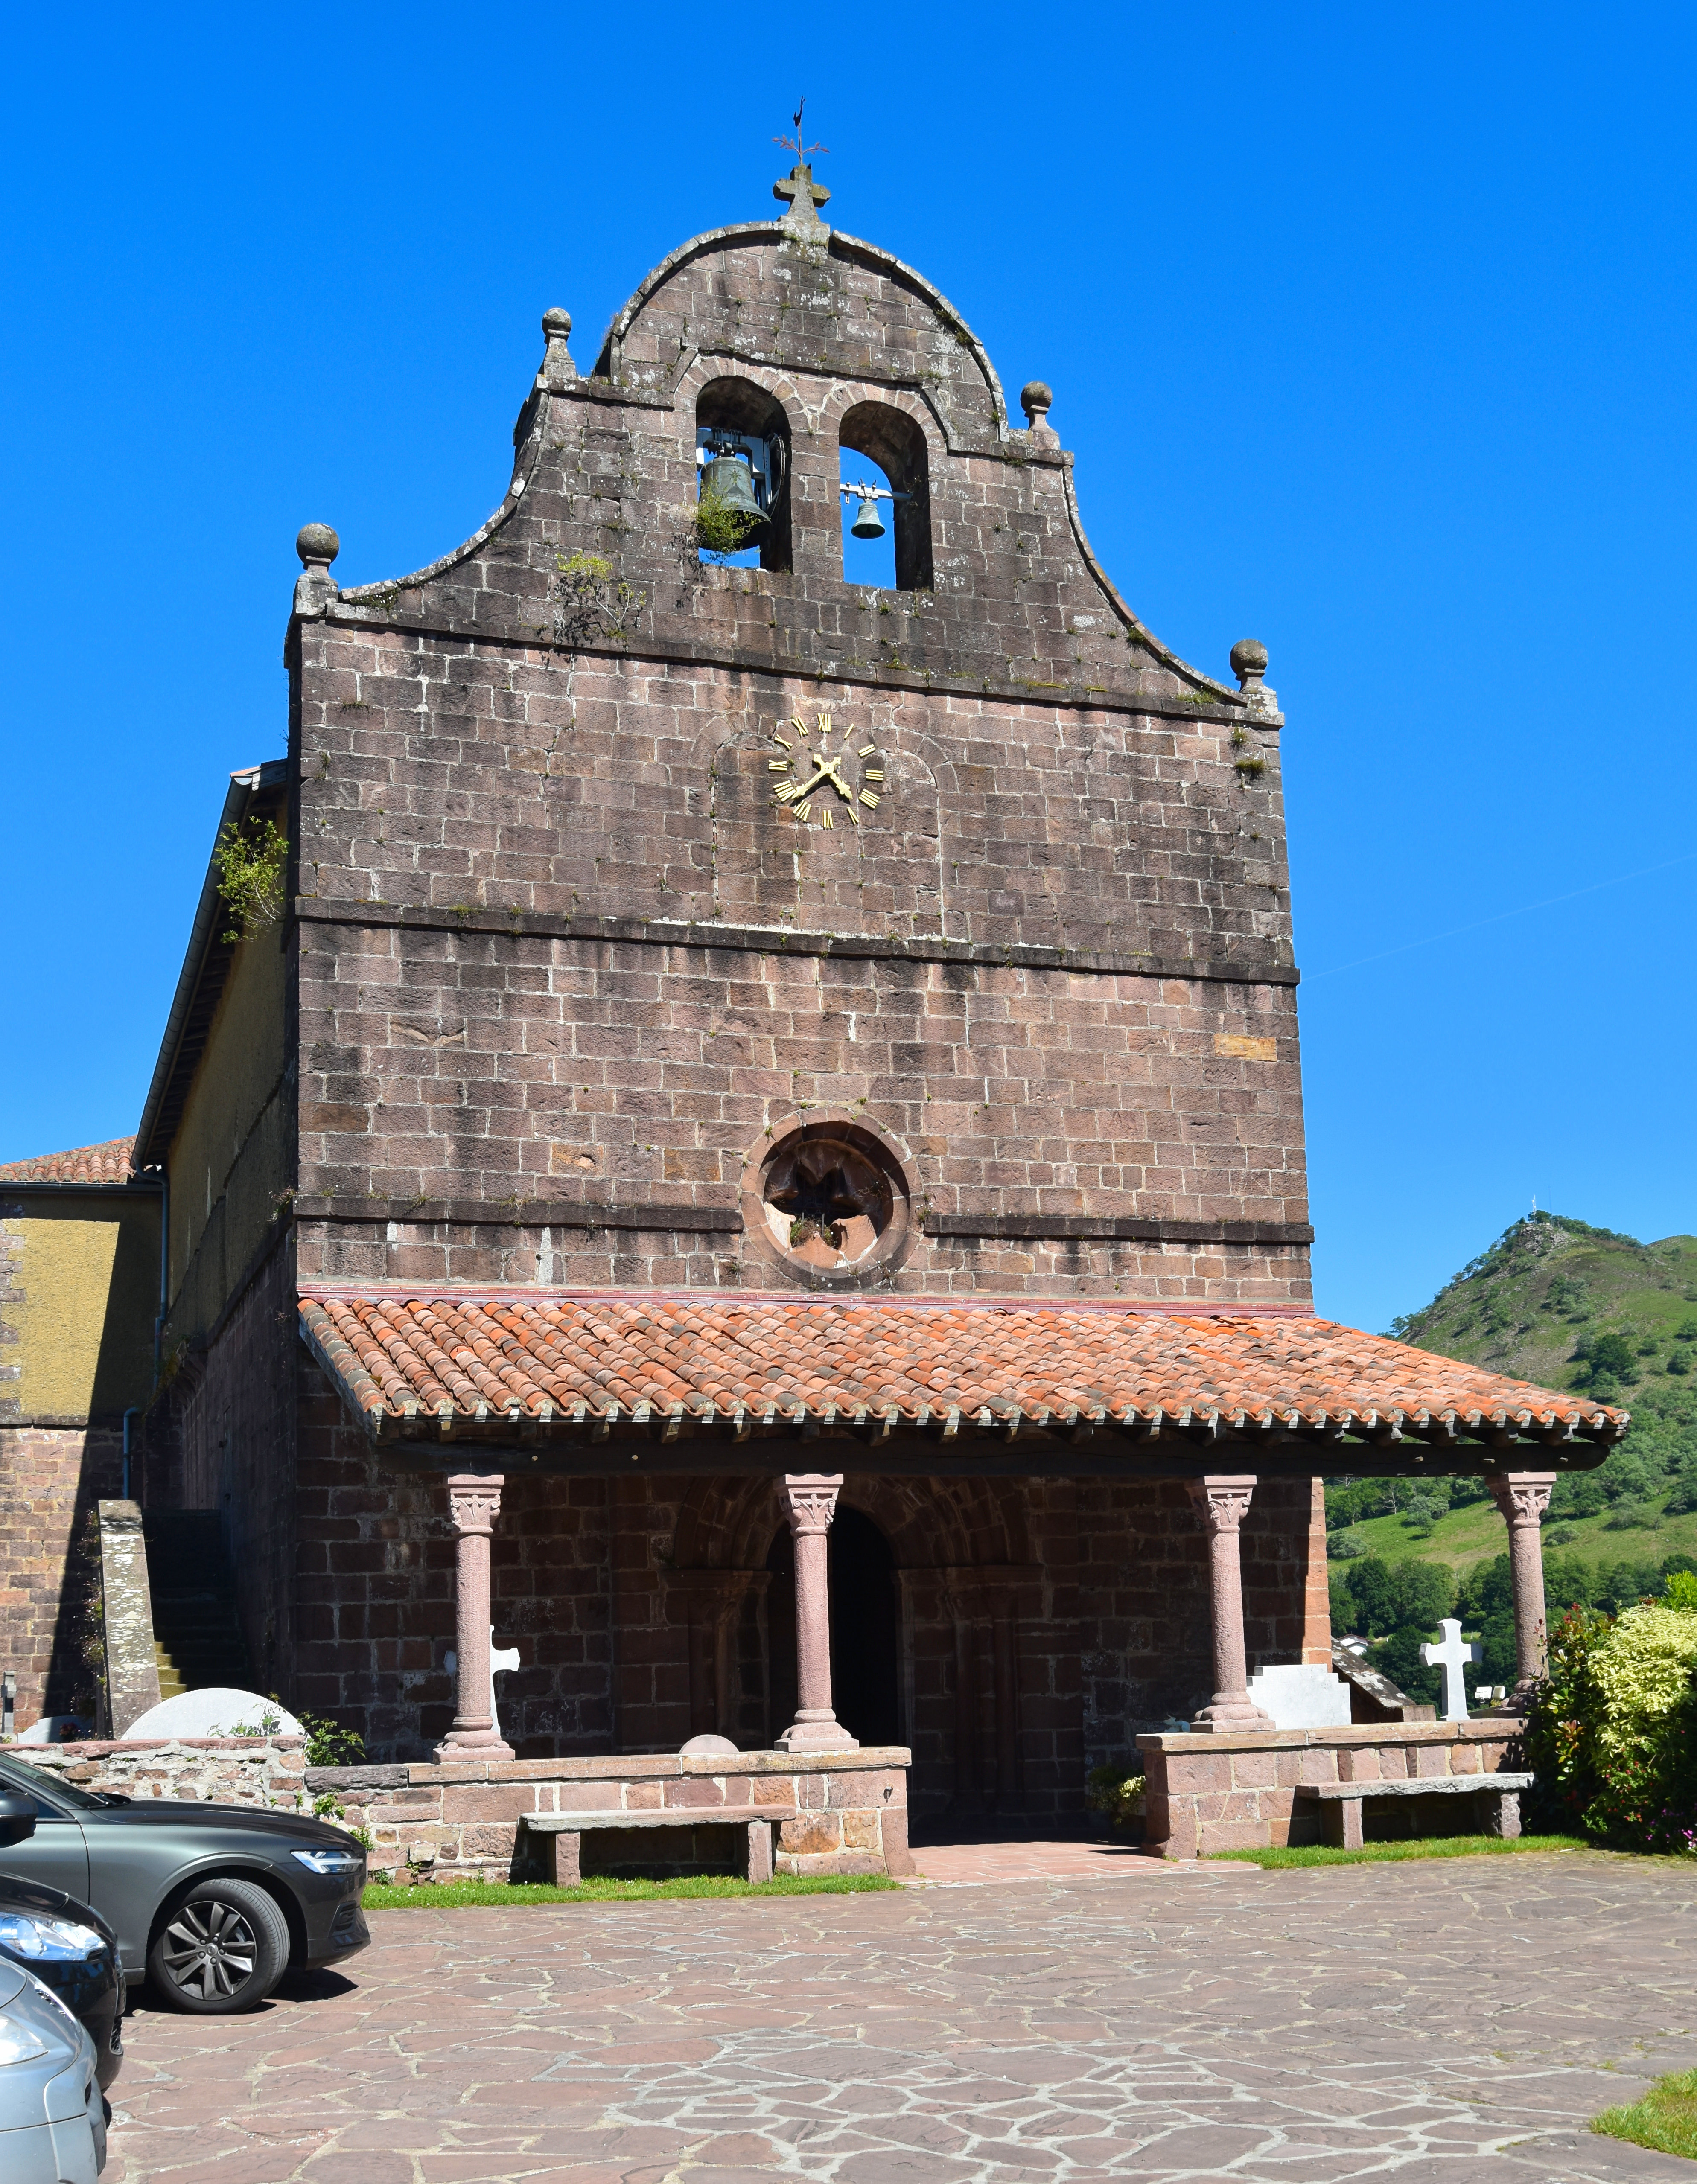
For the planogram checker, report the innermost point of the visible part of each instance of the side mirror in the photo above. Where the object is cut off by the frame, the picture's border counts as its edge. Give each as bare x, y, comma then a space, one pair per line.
17, 1819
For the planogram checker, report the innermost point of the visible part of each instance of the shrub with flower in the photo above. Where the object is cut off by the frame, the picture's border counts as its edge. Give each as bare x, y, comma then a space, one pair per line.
1612, 1734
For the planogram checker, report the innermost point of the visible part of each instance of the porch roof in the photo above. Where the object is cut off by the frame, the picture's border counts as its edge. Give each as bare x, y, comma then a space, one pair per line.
562, 1368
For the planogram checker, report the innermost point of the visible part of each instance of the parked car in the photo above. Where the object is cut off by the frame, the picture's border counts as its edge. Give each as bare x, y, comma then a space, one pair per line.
73, 1953
212, 1902
53, 2115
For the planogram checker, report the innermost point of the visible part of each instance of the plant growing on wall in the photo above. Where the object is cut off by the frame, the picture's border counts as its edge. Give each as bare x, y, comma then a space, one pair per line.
251, 863
719, 530
588, 601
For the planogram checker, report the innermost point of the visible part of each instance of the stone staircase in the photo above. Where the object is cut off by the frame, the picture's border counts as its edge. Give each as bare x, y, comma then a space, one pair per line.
198, 1640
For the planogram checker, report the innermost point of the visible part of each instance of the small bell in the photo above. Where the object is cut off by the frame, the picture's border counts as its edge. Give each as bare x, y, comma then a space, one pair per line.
867, 524
730, 481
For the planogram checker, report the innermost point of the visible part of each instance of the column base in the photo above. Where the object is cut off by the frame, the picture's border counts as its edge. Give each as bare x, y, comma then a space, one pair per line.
1226, 1714
473, 1744
817, 1731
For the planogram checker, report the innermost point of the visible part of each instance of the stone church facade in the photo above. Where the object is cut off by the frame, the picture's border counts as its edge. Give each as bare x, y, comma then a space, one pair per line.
741, 1044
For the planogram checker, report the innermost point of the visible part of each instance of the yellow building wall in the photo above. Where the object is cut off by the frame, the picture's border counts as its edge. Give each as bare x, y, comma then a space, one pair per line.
231, 1160
76, 1316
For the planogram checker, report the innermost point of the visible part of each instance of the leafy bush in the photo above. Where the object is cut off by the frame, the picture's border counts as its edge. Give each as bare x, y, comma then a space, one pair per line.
1612, 1734
1116, 1789
1606, 1356
1346, 1545
329, 1745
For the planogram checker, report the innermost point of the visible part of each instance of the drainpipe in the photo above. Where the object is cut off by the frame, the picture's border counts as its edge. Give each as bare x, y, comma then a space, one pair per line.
165, 1273
134, 1412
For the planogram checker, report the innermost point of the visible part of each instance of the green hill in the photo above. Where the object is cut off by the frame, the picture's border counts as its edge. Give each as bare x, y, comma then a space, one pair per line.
1558, 1303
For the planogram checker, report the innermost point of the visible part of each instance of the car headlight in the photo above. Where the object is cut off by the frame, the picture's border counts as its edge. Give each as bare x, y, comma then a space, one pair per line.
18, 2043
60, 1938
327, 1863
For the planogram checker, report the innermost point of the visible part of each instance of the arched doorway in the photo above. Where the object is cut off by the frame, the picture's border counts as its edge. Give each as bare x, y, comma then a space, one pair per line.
865, 1645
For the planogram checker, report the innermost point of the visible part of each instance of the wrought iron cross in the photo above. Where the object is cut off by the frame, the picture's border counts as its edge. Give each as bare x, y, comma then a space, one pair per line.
803, 195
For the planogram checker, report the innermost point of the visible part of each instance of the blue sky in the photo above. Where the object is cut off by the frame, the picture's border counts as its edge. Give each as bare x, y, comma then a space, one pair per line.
1371, 331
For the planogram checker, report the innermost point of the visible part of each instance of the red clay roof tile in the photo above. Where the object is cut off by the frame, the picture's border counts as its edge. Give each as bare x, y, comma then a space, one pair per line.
107, 1163
588, 1359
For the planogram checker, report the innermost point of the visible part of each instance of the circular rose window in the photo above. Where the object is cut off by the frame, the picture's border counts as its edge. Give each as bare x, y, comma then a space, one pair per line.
829, 1202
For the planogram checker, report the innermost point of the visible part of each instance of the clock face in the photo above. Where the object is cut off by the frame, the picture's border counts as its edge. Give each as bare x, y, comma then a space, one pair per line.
825, 775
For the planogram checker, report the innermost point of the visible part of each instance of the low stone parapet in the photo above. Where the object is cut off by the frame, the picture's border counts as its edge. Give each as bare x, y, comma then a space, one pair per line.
220, 1770
844, 1813
1239, 1792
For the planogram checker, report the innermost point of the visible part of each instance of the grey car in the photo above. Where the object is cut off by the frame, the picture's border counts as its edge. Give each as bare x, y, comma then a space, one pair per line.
53, 2116
212, 1902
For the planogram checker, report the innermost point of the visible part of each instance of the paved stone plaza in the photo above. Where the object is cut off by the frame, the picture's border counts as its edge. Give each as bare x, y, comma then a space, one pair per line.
1111, 2016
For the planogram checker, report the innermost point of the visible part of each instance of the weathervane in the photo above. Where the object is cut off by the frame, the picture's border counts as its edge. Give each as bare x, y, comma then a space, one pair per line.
802, 193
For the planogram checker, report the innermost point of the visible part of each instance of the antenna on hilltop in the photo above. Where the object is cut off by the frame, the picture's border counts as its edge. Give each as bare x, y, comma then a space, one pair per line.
794, 143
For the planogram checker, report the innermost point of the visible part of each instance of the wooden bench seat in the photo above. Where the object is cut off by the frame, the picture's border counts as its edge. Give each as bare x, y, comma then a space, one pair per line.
562, 1833
1341, 1802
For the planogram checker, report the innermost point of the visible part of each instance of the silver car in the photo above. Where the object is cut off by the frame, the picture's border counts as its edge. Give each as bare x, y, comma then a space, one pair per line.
53, 2115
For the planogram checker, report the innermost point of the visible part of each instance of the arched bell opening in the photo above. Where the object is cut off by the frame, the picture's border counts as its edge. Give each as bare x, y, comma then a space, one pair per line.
865, 1629
891, 444
742, 456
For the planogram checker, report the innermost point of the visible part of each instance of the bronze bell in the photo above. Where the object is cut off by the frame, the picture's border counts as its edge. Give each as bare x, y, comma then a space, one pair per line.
730, 481
867, 524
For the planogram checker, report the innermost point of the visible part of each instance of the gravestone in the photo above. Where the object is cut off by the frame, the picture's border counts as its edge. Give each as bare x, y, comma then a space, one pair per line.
1301, 1695
499, 1663
1454, 1655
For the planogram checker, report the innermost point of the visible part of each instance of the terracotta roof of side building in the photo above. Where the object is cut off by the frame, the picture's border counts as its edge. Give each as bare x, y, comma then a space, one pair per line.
426, 1363
112, 1163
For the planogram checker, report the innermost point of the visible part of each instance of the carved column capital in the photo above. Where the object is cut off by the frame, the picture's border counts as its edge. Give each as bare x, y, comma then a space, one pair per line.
810, 1501
1221, 1503
474, 1501
1523, 1496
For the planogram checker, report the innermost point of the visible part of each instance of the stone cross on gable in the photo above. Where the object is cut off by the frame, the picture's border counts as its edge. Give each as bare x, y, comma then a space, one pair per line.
1452, 1654
805, 197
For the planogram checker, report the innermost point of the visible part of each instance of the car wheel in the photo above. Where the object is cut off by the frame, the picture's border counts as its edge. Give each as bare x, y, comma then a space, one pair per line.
223, 1948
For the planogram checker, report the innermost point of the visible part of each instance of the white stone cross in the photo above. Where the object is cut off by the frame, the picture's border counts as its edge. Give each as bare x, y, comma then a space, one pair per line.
499, 1663
1452, 1656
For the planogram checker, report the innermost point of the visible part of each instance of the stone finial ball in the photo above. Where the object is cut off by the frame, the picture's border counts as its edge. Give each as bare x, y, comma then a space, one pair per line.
1036, 400
1248, 657
317, 542
557, 322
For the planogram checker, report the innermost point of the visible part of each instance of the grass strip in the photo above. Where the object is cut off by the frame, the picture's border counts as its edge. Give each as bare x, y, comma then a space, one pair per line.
1665, 2119
453, 1895
1271, 1861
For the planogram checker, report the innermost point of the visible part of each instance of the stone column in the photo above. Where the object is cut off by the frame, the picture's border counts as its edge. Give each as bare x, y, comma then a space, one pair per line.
474, 1502
1221, 1505
810, 1501
1523, 1496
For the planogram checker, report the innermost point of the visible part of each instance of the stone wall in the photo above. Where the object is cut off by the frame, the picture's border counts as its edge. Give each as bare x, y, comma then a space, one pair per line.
235, 1770
51, 1478
1239, 1792
220, 1435
462, 1821
473, 1096
558, 949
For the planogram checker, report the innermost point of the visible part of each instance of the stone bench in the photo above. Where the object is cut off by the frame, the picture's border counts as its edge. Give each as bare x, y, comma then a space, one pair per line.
1343, 1801
562, 1833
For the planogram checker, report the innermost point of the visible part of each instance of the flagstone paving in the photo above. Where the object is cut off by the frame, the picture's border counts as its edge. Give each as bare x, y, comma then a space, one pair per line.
1442, 2023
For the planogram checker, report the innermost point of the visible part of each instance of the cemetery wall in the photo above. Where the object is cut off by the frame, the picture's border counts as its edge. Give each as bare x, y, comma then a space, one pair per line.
1211, 1793
232, 1770
461, 1821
